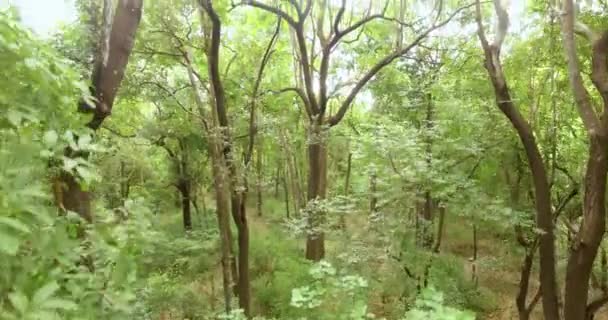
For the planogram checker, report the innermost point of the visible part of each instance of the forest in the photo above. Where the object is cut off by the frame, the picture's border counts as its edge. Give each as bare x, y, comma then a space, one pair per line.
306, 159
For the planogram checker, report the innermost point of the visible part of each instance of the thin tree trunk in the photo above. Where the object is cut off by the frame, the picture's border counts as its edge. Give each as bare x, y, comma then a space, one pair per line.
440, 228
474, 257
124, 183
317, 176
347, 179
244, 286
523, 309
293, 181
586, 244
542, 189
427, 216
277, 179
373, 194
286, 195
297, 185
346, 187
259, 179
221, 187
222, 205
203, 198
184, 189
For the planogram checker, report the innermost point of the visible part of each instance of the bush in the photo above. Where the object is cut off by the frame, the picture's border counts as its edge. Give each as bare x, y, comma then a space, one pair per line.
277, 266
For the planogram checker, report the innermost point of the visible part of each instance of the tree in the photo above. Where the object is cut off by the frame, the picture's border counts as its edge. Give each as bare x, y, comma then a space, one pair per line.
544, 213
111, 60
317, 106
583, 250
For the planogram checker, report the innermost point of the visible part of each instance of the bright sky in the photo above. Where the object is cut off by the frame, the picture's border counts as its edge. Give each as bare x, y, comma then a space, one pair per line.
43, 15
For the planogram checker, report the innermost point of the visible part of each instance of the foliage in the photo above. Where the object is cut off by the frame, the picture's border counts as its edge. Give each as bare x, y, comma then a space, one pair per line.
421, 137
46, 267
430, 306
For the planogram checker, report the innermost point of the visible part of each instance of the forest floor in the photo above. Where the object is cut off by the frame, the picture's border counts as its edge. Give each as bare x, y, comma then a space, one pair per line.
497, 265
500, 273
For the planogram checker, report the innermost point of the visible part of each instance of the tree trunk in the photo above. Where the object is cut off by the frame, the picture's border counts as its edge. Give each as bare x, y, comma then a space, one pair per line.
583, 250
73, 198
286, 195
346, 187
184, 189
317, 178
440, 228
222, 204
474, 257
347, 179
298, 198
373, 196
108, 72
542, 189
203, 198
523, 308
277, 179
124, 183
427, 218
259, 180
244, 287
290, 175
589, 237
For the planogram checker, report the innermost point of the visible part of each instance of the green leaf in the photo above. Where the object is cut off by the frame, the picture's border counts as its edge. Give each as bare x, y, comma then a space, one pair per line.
50, 138
15, 224
14, 117
45, 292
9, 244
69, 164
84, 141
86, 174
19, 301
59, 304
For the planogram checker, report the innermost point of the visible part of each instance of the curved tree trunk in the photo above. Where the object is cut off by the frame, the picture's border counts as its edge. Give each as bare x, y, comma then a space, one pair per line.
588, 239
542, 189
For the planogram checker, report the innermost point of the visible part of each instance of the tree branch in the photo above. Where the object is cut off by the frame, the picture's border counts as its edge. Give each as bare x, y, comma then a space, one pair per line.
562, 205
254, 93
284, 15
301, 94
534, 301
581, 95
336, 118
502, 24
118, 133
599, 73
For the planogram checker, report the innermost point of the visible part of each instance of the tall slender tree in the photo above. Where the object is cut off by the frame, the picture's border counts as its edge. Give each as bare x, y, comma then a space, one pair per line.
316, 102
115, 46
542, 189
584, 248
